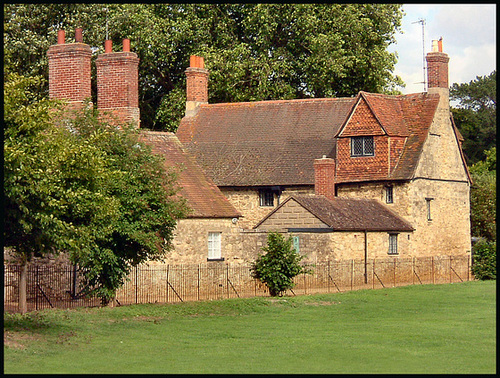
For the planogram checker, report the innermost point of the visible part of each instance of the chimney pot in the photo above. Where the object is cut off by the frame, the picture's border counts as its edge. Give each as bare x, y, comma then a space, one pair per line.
196, 61
60, 37
434, 45
108, 46
440, 44
79, 35
126, 45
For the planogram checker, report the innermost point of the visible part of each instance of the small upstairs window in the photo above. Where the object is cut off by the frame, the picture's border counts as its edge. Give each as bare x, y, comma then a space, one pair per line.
389, 194
266, 197
428, 203
362, 146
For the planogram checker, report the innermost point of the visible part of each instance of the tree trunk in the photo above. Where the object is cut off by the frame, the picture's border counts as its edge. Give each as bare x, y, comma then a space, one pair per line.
23, 306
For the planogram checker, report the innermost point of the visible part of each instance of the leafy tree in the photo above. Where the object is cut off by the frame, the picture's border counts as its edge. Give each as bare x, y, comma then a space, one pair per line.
80, 186
484, 263
483, 197
278, 267
253, 51
475, 115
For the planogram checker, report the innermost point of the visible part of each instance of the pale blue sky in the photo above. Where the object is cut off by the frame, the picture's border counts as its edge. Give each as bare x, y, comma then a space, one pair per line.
469, 38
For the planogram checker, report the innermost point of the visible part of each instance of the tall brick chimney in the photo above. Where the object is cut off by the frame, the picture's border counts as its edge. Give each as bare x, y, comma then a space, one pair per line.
69, 70
196, 85
118, 84
437, 72
324, 177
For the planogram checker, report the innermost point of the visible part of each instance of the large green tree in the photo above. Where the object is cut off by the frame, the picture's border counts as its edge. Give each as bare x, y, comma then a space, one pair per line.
475, 115
253, 51
80, 186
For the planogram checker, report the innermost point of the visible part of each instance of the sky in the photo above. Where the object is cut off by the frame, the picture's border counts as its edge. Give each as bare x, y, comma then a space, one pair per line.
469, 39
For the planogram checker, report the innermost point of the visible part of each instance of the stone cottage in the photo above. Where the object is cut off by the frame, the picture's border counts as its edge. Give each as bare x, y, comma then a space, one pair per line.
370, 175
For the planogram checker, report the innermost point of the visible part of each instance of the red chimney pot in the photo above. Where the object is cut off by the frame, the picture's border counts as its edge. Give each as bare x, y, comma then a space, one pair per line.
79, 35
60, 37
108, 46
126, 45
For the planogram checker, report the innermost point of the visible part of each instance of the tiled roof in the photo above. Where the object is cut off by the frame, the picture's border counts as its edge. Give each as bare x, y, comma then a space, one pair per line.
202, 195
350, 214
275, 142
264, 142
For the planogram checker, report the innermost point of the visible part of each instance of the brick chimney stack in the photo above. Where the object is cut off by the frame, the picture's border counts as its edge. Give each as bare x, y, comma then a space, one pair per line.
118, 84
69, 70
324, 177
437, 72
196, 85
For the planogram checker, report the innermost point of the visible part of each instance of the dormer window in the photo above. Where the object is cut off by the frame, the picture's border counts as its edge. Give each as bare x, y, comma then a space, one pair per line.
362, 146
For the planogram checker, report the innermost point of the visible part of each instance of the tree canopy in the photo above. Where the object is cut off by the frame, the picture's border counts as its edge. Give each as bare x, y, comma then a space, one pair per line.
475, 115
253, 51
77, 185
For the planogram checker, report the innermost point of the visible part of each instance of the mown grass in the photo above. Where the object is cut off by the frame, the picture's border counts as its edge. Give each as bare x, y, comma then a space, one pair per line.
416, 329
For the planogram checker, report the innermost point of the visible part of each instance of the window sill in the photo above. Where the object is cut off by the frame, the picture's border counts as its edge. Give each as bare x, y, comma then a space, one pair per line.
217, 259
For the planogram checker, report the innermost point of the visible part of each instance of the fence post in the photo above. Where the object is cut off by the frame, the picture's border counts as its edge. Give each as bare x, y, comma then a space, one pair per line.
450, 269
37, 283
352, 273
468, 268
394, 272
168, 266
373, 275
432, 270
198, 287
413, 270
328, 275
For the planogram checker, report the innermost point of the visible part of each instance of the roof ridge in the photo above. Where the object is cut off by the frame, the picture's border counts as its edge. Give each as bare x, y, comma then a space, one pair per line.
265, 102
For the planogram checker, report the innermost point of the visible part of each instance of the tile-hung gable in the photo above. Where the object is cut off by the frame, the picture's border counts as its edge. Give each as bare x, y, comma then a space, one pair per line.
265, 142
397, 126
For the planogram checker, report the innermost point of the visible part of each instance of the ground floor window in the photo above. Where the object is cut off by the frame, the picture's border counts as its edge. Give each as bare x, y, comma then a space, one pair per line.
393, 244
215, 246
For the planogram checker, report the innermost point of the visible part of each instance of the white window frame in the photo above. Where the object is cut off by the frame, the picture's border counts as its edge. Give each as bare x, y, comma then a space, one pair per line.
393, 244
214, 246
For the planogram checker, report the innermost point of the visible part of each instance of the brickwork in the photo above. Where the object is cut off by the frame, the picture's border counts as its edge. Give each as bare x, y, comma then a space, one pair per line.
362, 168
69, 73
117, 86
437, 69
324, 177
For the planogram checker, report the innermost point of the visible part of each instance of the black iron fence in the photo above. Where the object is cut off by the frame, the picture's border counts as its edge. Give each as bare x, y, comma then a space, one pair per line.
61, 286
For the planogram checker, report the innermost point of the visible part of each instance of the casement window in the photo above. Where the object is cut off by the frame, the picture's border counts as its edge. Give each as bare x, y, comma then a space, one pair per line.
428, 205
393, 244
389, 194
362, 146
266, 197
215, 246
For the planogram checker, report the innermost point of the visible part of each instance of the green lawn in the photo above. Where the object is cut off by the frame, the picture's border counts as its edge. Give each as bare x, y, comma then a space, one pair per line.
416, 329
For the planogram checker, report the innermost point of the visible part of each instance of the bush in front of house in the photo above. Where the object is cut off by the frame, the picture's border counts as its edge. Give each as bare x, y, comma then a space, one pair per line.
279, 265
484, 265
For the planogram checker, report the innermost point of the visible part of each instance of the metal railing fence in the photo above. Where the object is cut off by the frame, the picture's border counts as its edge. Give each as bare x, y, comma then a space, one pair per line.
60, 286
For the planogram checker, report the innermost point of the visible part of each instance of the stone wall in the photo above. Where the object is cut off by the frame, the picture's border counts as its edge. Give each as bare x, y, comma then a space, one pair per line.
246, 201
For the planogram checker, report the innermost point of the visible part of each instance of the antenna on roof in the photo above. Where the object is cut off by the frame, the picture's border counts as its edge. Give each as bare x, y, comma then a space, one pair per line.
107, 34
422, 22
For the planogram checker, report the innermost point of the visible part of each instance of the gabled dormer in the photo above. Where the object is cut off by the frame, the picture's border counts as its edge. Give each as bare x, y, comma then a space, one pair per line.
371, 139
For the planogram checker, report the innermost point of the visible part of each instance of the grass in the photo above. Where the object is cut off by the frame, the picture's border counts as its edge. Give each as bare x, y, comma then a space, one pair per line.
416, 329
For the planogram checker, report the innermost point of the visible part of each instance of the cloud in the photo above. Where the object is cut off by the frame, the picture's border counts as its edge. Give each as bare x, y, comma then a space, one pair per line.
469, 38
